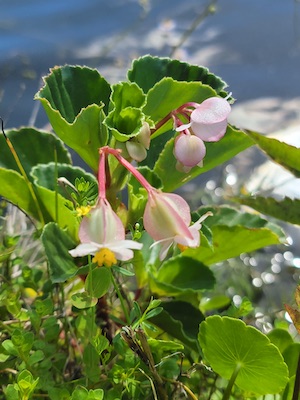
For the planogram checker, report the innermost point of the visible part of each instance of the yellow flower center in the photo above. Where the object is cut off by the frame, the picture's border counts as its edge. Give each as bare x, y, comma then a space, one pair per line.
182, 247
105, 257
83, 210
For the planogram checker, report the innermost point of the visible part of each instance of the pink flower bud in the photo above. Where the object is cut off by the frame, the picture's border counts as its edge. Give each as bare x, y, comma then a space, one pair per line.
167, 218
189, 150
209, 119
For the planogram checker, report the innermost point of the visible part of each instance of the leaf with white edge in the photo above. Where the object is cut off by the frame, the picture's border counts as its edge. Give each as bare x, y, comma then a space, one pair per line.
282, 153
57, 243
148, 70
230, 346
76, 101
287, 209
217, 153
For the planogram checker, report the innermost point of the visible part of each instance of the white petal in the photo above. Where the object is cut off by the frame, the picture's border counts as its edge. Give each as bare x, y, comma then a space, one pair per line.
84, 249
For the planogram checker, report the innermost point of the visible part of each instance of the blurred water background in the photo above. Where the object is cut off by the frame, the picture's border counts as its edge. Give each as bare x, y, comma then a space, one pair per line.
254, 45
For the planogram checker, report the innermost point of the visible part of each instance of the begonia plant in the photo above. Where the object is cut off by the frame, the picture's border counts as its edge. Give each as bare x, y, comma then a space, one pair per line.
129, 306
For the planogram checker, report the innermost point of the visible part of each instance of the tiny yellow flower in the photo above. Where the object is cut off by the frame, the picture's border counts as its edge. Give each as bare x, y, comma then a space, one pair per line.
105, 257
83, 210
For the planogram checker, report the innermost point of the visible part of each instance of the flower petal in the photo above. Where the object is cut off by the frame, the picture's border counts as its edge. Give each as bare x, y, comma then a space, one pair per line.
189, 150
166, 215
84, 249
101, 225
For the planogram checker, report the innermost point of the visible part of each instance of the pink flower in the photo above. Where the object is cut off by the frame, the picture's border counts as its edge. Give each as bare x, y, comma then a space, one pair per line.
189, 151
167, 219
208, 123
103, 229
209, 120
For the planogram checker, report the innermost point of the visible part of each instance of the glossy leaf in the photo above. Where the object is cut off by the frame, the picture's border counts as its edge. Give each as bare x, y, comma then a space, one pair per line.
284, 154
287, 210
233, 233
229, 344
14, 188
57, 243
76, 101
148, 70
230, 145
182, 274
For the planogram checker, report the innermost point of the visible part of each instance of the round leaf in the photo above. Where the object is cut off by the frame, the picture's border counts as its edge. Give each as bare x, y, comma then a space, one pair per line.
98, 282
228, 343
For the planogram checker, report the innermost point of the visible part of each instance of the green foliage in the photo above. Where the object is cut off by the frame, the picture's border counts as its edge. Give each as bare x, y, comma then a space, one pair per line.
235, 351
75, 329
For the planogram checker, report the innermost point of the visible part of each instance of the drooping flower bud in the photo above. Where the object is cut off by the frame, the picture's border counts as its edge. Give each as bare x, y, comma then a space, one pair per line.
137, 147
189, 150
167, 219
209, 120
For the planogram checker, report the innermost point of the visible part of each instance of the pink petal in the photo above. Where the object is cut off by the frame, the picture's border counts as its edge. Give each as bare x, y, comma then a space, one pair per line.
166, 215
211, 111
210, 133
189, 150
209, 120
101, 225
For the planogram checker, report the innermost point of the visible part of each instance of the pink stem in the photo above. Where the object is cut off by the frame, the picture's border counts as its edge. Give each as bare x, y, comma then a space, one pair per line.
101, 175
128, 166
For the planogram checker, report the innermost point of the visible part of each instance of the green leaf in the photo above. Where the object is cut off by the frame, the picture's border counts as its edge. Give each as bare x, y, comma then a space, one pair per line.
76, 100
32, 147
281, 338
182, 274
234, 233
287, 210
56, 204
98, 282
83, 300
148, 70
14, 188
57, 243
126, 118
181, 321
217, 153
284, 154
47, 175
228, 344
291, 356
168, 94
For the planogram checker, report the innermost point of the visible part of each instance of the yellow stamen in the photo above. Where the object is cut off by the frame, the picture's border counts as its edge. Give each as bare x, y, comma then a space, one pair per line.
105, 257
83, 210
182, 247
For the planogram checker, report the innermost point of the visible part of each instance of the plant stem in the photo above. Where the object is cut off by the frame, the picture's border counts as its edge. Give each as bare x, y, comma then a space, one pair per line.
116, 287
228, 390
